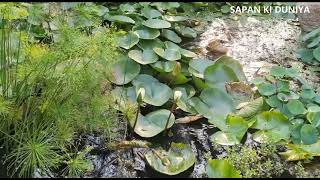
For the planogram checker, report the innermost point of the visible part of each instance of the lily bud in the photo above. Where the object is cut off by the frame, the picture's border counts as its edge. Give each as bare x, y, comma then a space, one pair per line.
140, 94
177, 95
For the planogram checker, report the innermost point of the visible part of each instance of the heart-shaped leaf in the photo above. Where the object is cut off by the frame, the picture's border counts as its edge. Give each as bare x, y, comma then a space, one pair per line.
150, 13
219, 73
267, 89
309, 134
221, 168
175, 18
179, 158
156, 93
198, 66
183, 103
156, 23
252, 108
147, 33
168, 54
120, 18
143, 57
295, 107
150, 44
171, 35
306, 55
153, 123
124, 71
186, 31
234, 65
273, 126
164, 66
316, 53
128, 41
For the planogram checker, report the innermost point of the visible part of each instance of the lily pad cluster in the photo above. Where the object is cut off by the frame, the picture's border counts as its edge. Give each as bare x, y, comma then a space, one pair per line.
310, 53
156, 64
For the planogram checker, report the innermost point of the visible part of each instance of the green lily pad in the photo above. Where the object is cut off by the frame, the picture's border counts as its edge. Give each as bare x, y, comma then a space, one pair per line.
168, 54
314, 42
128, 41
278, 71
214, 104
267, 89
183, 103
221, 168
316, 53
308, 94
198, 66
309, 134
252, 108
147, 33
187, 53
305, 55
127, 8
232, 132
219, 73
273, 126
311, 34
150, 13
179, 158
153, 123
143, 57
156, 23
199, 83
273, 101
186, 31
164, 66
124, 71
120, 18
174, 18
171, 35
296, 107
314, 118
156, 93
283, 86
150, 44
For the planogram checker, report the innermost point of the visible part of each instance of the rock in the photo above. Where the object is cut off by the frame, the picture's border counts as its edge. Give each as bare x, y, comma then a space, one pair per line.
310, 21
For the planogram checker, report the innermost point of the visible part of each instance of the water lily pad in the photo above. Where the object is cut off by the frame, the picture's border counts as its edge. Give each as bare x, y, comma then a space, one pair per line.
297, 152
306, 55
267, 89
316, 53
198, 66
156, 93
124, 71
314, 118
153, 123
143, 57
273, 101
273, 126
219, 73
221, 168
128, 41
214, 104
183, 103
147, 33
295, 107
156, 23
186, 31
232, 132
171, 35
252, 108
179, 158
150, 13
168, 54
150, 44
311, 34
234, 65
309, 134
278, 71
164, 66
120, 18
188, 54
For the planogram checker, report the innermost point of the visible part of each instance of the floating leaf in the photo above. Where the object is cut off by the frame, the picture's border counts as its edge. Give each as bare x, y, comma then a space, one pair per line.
311, 34
273, 126
187, 53
120, 18
305, 55
234, 65
174, 18
164, 66
156, 93
179, 158
182, 103
316, 53
314, 43
278, 71
186, 31
143, 57
168, 54
171, 35
198, 66
128, 41
239, 91
150, 13
221, 168
297, 152
156, 23
147, 33
295, 107
150, 44
127, 8
314, 118
219, 73
252, 108
309, 134
273, 101
124, 71
267, 89
153, 123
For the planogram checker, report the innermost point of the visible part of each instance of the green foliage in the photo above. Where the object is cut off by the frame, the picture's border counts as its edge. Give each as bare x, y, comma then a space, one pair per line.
310, 52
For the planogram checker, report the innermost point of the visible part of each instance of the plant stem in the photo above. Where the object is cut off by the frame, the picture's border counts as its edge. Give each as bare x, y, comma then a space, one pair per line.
136, 119
173, 107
